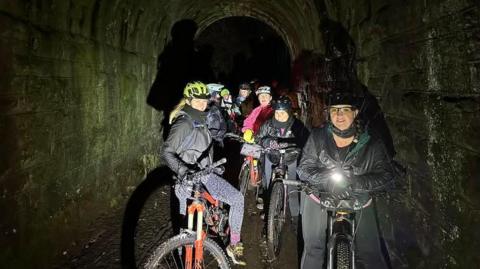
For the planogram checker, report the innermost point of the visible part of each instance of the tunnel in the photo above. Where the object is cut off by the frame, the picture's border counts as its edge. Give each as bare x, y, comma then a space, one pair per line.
85, 86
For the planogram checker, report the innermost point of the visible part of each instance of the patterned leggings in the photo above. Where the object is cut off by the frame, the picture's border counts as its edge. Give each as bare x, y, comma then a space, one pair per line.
221, 190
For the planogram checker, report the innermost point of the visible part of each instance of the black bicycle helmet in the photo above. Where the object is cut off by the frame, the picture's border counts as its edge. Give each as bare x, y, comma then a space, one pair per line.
244, 86
341, 97
282, 103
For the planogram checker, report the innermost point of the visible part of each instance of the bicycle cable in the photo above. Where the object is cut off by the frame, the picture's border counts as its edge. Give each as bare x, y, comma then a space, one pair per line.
358, 224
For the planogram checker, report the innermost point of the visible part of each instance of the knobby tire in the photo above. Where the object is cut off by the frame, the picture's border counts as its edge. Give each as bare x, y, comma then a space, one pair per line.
244, 178
342, 254
168, 256
276, 220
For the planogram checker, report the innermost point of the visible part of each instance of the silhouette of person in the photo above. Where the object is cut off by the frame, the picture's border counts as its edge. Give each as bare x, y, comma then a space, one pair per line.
175, 67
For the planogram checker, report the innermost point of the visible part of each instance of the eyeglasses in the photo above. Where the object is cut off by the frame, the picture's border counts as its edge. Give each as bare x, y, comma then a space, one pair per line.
336, 110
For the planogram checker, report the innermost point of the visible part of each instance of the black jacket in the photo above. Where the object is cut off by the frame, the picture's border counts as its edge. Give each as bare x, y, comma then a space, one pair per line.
372, 169
295, 133
189, 144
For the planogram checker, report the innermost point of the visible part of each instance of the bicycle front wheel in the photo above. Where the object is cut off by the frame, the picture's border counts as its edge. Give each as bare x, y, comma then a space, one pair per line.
276, 220
173, 254
244, 177
343, 254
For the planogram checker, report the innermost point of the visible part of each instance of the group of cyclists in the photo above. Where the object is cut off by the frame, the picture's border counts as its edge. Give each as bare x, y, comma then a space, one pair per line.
208, 111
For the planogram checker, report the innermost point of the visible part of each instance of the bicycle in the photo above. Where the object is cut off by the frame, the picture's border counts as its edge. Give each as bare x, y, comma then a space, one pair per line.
196, 248
341, 225
249, 174
277, 210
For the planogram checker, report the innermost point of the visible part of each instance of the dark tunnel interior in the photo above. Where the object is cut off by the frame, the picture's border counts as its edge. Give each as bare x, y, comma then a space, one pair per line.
86, 89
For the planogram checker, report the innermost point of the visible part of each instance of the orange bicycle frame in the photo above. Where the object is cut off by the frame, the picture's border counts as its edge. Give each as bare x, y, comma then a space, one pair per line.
199, 208
253, 172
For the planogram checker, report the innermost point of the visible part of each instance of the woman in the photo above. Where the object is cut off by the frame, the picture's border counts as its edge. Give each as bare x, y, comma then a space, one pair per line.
259, 115
188, 148
283, 128
343, 146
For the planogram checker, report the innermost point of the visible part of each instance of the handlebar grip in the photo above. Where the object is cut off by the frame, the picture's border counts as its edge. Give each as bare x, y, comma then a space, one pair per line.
219, 162
233, 136
292, 182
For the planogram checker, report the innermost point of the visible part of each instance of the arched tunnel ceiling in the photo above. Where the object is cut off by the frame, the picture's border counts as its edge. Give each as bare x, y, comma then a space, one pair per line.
144, 26
281, 16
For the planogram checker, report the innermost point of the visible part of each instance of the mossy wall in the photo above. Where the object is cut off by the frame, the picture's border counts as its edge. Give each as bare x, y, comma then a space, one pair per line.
421, 60
76, 135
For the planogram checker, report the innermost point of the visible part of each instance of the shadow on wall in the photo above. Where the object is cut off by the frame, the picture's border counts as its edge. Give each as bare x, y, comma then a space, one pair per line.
177, 65
134, 207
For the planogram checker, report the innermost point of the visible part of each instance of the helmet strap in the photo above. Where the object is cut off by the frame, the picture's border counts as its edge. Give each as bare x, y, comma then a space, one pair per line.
349, 132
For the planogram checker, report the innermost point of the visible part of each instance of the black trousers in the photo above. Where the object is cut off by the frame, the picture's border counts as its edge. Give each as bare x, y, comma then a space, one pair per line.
293, 196
314, 229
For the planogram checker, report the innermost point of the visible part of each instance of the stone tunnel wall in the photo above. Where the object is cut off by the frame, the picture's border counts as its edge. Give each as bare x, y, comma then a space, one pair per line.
422, 61
76, 135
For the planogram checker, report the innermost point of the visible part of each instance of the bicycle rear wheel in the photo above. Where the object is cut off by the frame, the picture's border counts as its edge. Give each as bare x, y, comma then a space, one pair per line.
171, 254
276, 220
343, 254
244, 177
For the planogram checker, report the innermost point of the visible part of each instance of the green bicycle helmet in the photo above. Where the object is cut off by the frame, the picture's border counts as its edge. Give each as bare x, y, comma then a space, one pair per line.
196, 89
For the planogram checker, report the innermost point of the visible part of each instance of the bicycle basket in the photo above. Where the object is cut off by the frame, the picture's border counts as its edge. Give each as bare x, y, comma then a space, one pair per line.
251, 150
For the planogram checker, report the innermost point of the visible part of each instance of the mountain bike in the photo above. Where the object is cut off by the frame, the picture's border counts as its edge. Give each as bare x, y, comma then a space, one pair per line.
249, 176
196, 248
341, 225
278, 205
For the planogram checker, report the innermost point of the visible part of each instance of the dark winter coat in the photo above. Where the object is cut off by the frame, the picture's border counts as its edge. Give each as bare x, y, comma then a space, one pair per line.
295, 132
216, 123
372, 169
189, 143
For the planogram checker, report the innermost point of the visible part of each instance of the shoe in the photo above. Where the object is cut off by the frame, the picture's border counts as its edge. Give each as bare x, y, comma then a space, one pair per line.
235, 252
262, 216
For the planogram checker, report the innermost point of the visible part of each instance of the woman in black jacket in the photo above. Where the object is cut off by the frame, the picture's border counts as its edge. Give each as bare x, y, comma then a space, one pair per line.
281, 130
189, 148
342, 146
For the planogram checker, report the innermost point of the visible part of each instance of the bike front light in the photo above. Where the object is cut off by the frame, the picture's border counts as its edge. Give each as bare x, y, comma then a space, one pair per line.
337, 177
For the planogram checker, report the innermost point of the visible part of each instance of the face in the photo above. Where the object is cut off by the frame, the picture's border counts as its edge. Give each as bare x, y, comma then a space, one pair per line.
281, 115
264, 99
226, 97
342, 116
198, 104
244, 93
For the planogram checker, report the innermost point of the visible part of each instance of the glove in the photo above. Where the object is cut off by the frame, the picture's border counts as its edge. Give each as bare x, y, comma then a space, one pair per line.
307, 188
248, 136
342, 194
273, 144
348, 172
182, 172
187, 179
219, 170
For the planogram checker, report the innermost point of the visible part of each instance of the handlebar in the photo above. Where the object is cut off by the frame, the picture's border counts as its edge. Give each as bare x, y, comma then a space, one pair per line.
329, 204
234, 137
265, 149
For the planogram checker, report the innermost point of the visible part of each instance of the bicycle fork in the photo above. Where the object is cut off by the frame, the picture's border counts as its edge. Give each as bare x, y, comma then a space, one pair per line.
332, 242
199, 208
